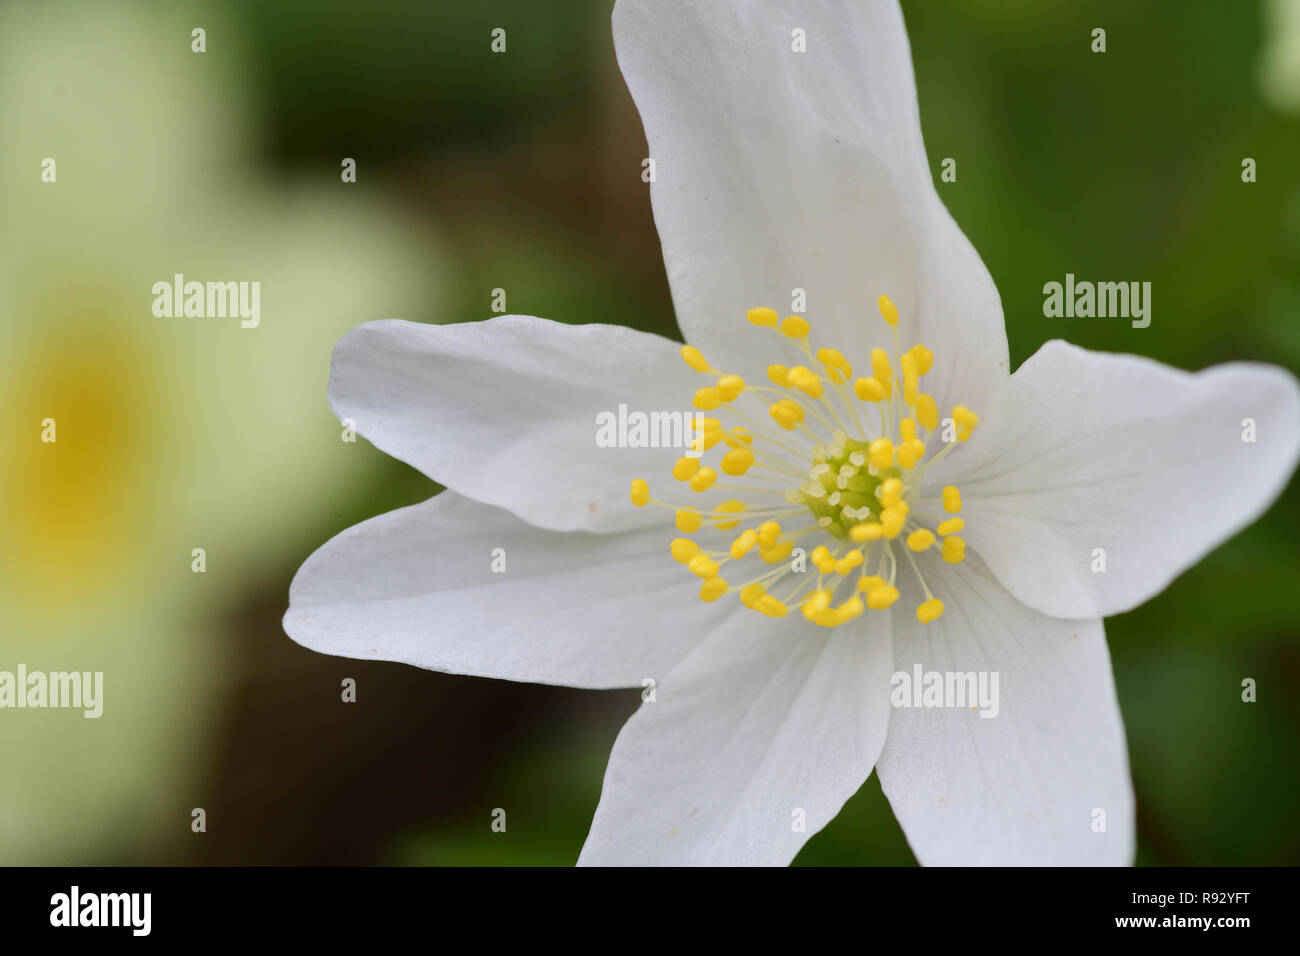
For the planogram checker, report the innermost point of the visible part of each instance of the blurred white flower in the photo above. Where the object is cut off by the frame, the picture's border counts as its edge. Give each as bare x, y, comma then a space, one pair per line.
172, 433
1279, 63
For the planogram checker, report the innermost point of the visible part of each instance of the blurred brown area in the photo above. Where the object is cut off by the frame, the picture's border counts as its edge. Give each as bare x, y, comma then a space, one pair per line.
300, 777
297, 776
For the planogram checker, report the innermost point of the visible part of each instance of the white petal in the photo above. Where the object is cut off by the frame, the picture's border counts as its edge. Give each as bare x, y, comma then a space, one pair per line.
1090, 451
505, 411
777, 170
417, 585
1023, 787
766, 724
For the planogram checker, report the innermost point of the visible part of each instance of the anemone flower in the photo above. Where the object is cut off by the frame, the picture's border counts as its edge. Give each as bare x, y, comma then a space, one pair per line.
863, 495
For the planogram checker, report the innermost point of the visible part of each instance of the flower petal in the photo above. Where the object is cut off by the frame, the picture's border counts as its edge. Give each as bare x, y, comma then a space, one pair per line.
418, 585
505, 411
777, 170
1022, 787
767, 725
1090, 451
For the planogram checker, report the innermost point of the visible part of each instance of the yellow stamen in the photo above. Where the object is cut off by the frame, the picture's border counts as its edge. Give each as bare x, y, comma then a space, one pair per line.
921, 539
870, 390
688, 520
732, 506
910, 376
640, 492
703, 565
683, 550
706, 440
951, 526
887, 309
924, 358
707, 399
892, 521
741, 546
964, 417
695, 358
686, 468
849, 609
832, 358
730, 387
702, 479
808, 383
910, 453
847, 563
881, 370
891, 492
737, 461
857, 474
927, 412
795, 327
787, 413
712, 589
881, 597
819, 600
867, 531
777, 553
929, 610
881, 453
738, 437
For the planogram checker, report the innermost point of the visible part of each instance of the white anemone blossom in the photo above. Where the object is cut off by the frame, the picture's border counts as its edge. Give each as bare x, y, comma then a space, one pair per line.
907, 506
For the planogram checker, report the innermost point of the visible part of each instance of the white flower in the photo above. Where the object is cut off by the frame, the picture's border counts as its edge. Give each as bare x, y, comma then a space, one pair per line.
777, 170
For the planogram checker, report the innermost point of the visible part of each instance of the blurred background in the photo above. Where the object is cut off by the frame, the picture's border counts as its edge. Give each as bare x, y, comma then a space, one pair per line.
522, 171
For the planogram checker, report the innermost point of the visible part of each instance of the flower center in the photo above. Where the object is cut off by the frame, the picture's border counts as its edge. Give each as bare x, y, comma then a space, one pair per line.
849, 452
82, 398
843, 487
